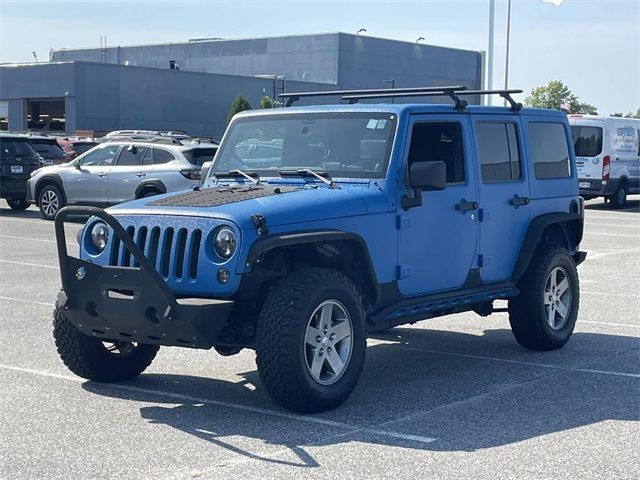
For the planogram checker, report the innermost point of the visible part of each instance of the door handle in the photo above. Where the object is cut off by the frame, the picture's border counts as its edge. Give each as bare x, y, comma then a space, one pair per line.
518, 201
102, 174
141, 174
463, 206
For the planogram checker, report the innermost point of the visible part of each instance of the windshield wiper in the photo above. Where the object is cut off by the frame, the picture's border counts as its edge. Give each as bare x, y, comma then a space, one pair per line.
322, 176
236, 173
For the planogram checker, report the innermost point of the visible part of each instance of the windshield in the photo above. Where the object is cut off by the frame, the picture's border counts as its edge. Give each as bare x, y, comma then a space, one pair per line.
587, 141
81, 147
351, 145
16, 147
198, 156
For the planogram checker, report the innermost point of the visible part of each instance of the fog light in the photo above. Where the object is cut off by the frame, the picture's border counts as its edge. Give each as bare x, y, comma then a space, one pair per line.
223, 276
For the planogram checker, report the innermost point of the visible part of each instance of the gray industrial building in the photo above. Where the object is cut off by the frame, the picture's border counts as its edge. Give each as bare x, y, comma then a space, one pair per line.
102, 89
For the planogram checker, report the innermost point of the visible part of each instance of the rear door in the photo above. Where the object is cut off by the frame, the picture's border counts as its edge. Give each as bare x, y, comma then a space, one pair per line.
128, 172
590, 142
504, 193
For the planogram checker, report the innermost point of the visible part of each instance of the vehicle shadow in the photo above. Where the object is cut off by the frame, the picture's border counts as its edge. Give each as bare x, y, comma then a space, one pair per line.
415, 384
32, 213
633, 205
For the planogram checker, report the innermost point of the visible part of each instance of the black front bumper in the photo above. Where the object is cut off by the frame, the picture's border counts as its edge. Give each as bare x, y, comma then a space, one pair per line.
132, 304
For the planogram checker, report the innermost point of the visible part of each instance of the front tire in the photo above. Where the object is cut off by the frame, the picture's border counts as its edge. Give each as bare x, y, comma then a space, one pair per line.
50, 201
311, 340
18, 203
98, 360
544, 315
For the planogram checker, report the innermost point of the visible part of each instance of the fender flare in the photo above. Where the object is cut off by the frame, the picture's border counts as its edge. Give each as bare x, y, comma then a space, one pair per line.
49, 178
572, 225
155, 184
306, 237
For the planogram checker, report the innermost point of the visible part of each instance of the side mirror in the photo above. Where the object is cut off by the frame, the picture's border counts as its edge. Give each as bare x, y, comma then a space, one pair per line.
204, 172
428, 176
133, 149
77, 165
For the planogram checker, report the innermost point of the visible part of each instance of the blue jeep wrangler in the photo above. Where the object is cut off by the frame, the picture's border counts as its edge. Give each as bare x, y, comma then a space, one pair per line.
317, 225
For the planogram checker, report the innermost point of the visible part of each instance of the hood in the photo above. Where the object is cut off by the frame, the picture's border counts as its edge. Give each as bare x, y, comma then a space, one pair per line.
280, 205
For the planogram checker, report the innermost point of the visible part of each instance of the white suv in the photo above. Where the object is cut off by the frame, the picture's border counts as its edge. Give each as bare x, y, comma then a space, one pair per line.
118, 171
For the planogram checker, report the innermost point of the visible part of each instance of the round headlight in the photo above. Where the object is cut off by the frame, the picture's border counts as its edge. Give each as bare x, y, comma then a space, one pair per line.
99, 236
225, 242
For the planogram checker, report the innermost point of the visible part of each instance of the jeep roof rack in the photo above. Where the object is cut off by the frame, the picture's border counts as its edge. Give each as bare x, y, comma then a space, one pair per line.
353, 96
295, 96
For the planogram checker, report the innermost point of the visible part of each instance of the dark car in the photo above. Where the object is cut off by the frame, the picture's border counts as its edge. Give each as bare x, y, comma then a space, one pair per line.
17, 160
48, 148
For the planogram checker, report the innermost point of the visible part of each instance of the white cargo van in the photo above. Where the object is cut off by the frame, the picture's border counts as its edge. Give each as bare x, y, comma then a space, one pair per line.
607, 156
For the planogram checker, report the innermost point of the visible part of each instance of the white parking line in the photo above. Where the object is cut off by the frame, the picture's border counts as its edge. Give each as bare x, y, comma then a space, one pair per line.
246, 408
30, 264
610, 323
607, 294
37, 222
517, 362
611, 234
34, 239
12, 299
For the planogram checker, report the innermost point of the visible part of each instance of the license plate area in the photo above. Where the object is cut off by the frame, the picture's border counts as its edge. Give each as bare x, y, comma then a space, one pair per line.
584, 185
17, 169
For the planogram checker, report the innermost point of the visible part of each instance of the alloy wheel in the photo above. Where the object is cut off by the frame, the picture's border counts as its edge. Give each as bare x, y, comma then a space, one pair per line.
328, 342
558, 296
49, 202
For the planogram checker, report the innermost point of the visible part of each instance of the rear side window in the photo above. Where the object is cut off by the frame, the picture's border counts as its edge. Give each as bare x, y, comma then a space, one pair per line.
439, 142
498, 148
587, 141
162, 156
549, 150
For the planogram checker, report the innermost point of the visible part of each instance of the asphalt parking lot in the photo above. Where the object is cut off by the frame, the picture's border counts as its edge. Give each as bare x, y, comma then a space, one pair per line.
453, 397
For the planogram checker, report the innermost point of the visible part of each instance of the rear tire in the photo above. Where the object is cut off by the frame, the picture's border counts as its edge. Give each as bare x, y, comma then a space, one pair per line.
544, 315
50, 201
149, 193
93, 359
18, 203
311, 340
619, 198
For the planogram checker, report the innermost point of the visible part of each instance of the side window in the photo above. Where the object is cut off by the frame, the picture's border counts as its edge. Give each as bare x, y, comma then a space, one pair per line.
100, 156
131, 156
148, 157
433, 141
162, 156
498, 149
549, 150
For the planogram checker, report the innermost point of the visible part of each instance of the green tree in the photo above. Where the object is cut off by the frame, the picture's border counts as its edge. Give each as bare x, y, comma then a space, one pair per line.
628, 115
239, 104
554, 95
266, 102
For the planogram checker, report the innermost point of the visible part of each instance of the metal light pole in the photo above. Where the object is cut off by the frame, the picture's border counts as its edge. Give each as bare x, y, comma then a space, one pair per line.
492, 14
506, 58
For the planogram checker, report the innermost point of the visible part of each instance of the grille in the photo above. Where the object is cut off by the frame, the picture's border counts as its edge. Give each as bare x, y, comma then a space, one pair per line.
174, 252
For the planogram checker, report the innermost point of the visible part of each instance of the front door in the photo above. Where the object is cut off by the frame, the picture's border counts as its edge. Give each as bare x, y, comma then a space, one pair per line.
88, 183
437, 240
504, 193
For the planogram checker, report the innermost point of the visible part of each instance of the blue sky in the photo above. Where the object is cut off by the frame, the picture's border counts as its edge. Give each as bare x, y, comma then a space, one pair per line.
592, 45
